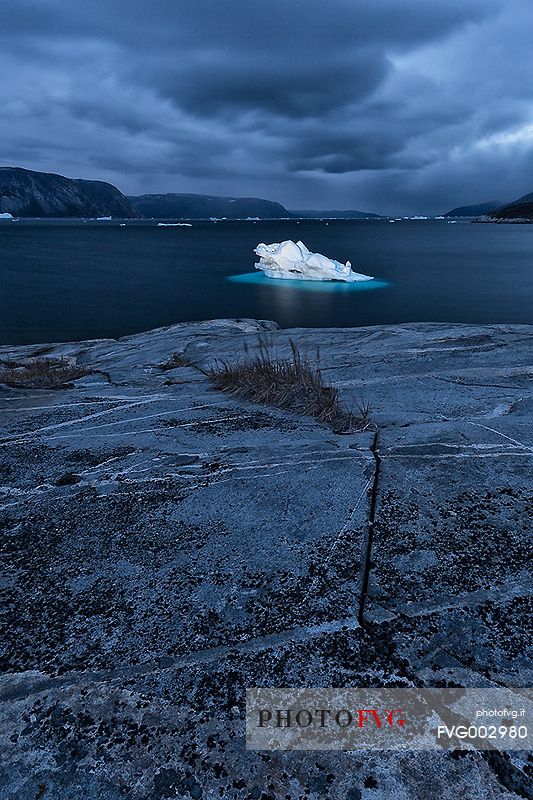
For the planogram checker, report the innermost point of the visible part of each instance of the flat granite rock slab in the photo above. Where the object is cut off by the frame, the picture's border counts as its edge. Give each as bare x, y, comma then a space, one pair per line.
182, 540
178, 732
454, 522
168, 546
449, 559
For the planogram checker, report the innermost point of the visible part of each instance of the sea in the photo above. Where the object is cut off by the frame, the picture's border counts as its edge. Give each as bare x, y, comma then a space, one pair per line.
65, 280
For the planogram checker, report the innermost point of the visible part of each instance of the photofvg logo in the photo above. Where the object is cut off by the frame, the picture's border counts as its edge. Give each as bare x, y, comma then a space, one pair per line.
342, 718
388, 719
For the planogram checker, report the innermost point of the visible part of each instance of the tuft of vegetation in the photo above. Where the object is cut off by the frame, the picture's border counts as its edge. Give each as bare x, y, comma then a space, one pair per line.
294, 383
175, 360
41, 373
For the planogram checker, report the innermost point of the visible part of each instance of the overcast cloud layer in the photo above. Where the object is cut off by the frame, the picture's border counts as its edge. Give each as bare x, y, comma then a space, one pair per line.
394, 106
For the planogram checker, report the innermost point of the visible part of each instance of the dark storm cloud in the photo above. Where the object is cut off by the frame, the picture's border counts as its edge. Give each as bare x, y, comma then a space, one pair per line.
246, 26
400, 105
306, 89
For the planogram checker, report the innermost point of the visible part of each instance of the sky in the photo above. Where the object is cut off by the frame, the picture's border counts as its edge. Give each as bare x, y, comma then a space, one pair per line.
389, 106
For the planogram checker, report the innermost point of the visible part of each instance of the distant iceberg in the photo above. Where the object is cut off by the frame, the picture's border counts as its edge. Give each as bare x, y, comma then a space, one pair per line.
103, 219
293, 261
174, 224
5, 215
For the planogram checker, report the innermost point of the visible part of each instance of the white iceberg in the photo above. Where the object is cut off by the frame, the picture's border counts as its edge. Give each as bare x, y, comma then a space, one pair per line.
292, 260
5, 215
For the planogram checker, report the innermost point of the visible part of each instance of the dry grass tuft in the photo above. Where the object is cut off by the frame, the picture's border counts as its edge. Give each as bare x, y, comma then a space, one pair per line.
41, 373
293, 383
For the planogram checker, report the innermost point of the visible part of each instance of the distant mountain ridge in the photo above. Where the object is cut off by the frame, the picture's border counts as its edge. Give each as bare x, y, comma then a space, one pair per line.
204, 206
26, 193
334, 214
474, 210
493, 211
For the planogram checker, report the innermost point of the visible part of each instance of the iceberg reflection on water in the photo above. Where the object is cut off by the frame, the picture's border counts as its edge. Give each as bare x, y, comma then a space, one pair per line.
261, 279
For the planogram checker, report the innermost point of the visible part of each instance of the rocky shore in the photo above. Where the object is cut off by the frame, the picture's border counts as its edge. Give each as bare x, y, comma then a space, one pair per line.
166, 546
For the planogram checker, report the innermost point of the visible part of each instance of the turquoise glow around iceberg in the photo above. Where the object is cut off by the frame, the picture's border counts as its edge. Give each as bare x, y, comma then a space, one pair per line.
259, 278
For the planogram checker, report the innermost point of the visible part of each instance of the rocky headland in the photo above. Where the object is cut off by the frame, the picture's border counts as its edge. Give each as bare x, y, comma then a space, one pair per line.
26, 193
203, 206
520, 210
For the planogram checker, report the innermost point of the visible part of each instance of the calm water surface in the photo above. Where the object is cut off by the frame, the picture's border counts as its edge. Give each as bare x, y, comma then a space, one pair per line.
62, 280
